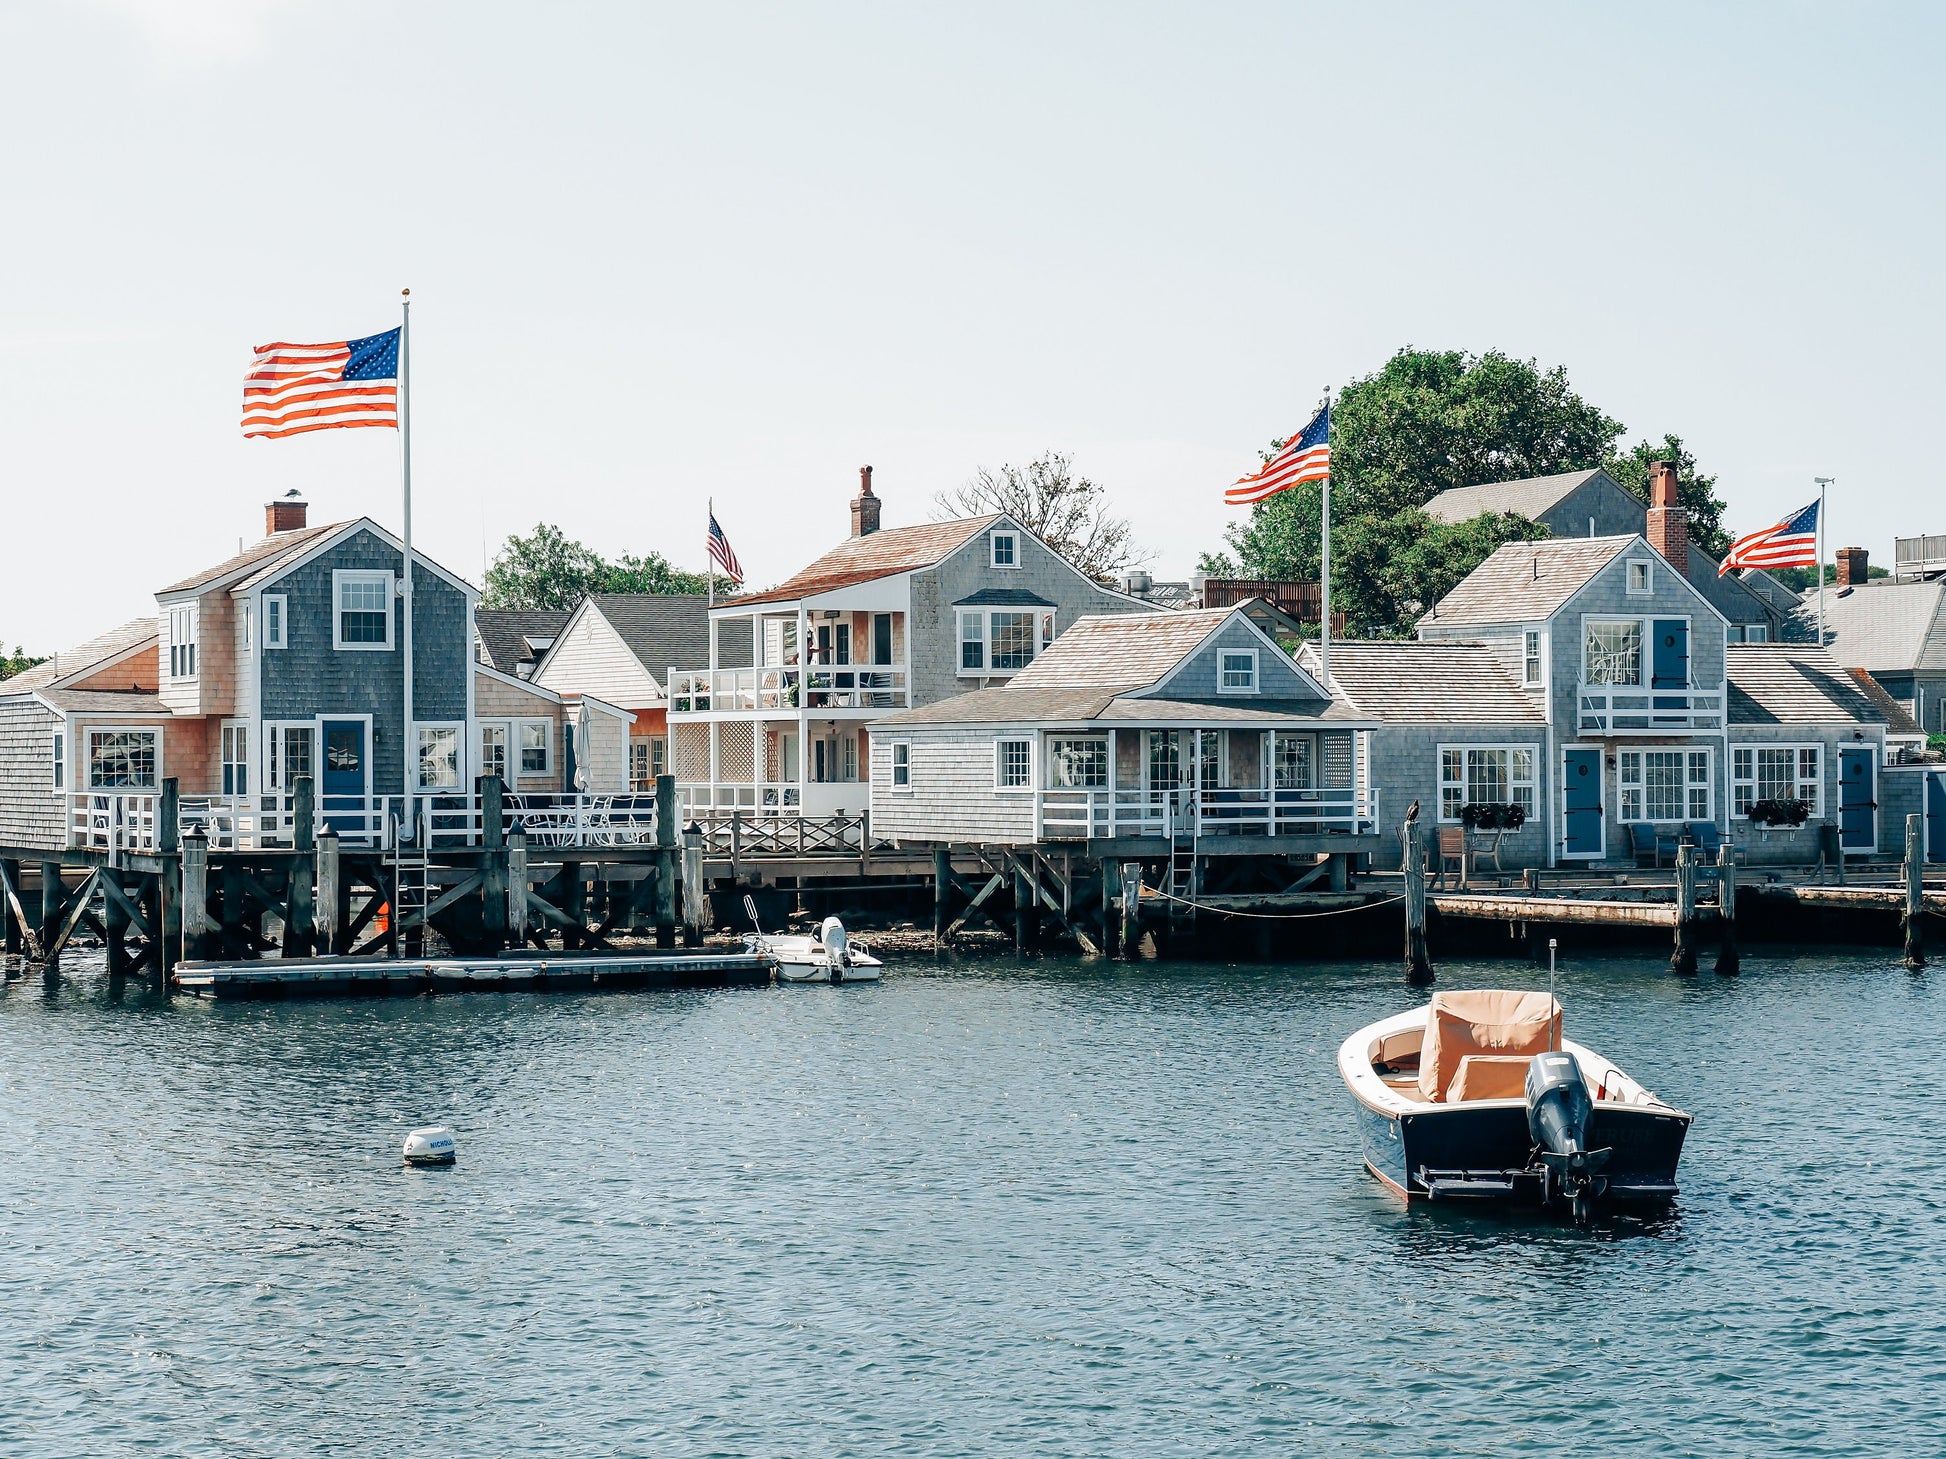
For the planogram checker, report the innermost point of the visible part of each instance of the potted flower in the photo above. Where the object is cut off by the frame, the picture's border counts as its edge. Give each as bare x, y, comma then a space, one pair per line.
1499, 817
1779, 811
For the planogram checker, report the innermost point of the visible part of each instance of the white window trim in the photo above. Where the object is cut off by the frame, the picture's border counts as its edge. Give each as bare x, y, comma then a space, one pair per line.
517, 754
1650, 747
462, 759
1037, 640
86, 767
1107, 743
510, 743
893, 766
1647, 590
1797, 748
58, 760
1533, 781
237, 733
993, 548
1539, 657
282, 637
272, 776
343, 575
1228, 653
183, 637
1033, 761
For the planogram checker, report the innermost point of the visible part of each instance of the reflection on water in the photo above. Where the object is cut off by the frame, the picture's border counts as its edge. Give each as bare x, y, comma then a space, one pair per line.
1050, 1209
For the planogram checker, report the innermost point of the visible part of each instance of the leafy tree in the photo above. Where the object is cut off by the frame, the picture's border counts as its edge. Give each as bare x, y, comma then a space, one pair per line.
1694, 490
1067, 512
16, 663
1797, 579
548, 569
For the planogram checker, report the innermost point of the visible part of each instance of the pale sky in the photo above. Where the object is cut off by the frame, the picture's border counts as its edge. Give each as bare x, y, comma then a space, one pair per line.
660, 254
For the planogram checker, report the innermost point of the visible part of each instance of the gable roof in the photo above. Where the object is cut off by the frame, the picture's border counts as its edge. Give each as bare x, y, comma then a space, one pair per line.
660, 629
1440, 681
272, 550
1529, 497
881, 554
1525, 581
1898, 718
1009, 704
503, 632
104, 701
1121, 650
84, 657
1883, 625
1788, 683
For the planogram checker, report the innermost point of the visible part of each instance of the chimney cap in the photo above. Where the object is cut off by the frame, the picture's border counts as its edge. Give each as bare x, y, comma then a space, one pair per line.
864, 481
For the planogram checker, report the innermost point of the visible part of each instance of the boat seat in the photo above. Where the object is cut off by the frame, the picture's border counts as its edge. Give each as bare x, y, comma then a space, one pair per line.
1489, 1076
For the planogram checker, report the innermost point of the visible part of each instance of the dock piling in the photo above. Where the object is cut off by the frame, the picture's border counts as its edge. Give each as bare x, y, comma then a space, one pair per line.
1111, 891
195, 896
329, 920
517, 885
114, 922
1418, 959
1131, 908
493, 860
1728, 960
695, 900
300, 922
168, 845
12, 929
1915, 891
665, 861
1683, 958
942, 890
53, 899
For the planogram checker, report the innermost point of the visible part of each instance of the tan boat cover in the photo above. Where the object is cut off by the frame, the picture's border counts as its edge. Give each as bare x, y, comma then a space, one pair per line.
1489, 1076
1483, 1021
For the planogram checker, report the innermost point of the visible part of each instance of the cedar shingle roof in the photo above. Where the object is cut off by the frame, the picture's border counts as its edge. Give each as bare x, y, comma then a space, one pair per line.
1436, 682
660, 629
1898, 718
879, 554
1526, 581
106, 701
69, 662
1883, 625
1010, 704
1788, 683
266, 553
1121, 650
503, 631
1530, 497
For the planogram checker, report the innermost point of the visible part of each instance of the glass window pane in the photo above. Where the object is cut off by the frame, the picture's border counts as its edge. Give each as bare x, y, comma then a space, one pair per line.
439, 758
972, 641
1013, 640
1614, 653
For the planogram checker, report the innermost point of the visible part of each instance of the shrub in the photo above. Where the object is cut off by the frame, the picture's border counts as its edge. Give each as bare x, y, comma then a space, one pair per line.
1781, 811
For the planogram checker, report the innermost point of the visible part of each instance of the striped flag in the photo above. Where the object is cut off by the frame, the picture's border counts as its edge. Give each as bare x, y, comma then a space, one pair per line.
1306, 456
293, 388
720, 554
1793, 542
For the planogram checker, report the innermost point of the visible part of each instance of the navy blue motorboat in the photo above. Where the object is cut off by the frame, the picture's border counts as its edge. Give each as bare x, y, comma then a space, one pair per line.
1479, 1095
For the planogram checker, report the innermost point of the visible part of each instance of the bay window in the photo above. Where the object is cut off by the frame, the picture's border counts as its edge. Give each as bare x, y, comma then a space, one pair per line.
1665, 785
1485, 775
1776, 772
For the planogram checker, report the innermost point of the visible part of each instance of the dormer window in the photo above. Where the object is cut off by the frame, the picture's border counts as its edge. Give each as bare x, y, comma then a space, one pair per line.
1237, 671
1641, 577
182, 642
1006, 549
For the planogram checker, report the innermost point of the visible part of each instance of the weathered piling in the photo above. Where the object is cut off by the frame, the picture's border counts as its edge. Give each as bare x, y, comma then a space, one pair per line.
517, 885
1131, 908
197, 944
1418, 958
1683, 958
12, 929
695, 900
300, 907
1026, 910
665, 861
1728, 960
942, 890
168, 846
1111, 891
114, 921
1915, 890
52, 901
329, 913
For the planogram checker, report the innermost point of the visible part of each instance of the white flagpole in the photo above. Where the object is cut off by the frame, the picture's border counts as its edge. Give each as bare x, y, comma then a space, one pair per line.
709, 554
1823, 482
409, 750
1324, 574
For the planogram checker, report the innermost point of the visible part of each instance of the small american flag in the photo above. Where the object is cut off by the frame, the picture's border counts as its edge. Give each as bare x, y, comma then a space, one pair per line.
1306, 456
720, 554
1793, 542
293, 388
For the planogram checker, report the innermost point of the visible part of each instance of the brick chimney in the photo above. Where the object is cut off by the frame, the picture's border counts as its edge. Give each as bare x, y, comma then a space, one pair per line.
864, 506
1668, 529
286, 514
1852, 563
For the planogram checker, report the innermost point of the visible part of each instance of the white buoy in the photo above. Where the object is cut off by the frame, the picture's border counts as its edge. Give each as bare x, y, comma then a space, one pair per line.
433, 1145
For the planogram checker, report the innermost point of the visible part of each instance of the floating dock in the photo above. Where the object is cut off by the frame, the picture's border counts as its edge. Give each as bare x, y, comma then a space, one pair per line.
336, 976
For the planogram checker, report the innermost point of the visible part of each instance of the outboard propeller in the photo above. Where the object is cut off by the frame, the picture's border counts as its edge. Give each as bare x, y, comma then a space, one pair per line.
1558, 1110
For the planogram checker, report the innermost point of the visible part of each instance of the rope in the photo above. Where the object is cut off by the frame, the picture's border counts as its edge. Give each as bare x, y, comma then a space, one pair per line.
1270, 916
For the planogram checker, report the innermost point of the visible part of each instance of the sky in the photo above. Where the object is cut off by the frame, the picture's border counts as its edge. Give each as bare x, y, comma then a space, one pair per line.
660, 255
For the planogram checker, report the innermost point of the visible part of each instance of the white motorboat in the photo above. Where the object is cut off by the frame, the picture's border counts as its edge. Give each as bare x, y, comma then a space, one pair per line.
832, 956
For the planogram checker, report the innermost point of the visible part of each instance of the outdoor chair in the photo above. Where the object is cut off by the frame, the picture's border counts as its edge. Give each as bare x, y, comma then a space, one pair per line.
1453, 848
1654, 842
1707, 838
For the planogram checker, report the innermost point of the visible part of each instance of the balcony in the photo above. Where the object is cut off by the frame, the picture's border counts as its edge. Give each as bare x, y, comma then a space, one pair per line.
1607, 709
1285, 811
787, 689
1919, 557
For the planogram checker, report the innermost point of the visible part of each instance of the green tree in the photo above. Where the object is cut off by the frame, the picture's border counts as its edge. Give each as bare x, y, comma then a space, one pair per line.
1694, 490
16, 663
548, 569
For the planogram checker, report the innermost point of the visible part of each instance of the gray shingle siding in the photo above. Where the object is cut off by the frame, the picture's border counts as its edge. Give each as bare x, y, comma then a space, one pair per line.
1615, 511
1197, 677
952, 794
31, 812
1405, 768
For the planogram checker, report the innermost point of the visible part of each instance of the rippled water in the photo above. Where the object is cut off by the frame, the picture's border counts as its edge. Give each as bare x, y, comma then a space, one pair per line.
983, 1208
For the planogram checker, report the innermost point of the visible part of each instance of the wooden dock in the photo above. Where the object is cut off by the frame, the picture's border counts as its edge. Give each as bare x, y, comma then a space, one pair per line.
337, 976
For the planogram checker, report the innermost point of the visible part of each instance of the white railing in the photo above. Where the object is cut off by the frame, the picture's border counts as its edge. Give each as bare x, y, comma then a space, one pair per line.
1919, 555
115, 821
1284, 811
1606, 708
841, 686
744, 835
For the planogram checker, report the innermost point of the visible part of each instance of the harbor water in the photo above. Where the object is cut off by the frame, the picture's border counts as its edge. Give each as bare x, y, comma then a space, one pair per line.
1052, 1208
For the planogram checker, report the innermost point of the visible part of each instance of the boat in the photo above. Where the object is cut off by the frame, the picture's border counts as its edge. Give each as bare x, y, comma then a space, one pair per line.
832, 956
1479, 1095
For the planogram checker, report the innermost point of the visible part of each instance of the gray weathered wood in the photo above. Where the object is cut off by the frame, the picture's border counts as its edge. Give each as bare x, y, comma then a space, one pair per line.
695, 901
1131, 908
1682, 959
517, 886
20, 932
942, 890
76, 910
1418, 959
53, 899
665, 860
1728, 959
168, 844
994, 883
330, 875
1914, 914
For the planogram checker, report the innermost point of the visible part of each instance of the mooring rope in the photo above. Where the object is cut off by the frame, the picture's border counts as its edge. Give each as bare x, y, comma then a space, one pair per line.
1269, 916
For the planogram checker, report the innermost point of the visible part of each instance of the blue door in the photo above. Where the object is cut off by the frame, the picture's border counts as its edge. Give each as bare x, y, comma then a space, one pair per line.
1581, 801
1936, 817
345, 777
1669, 664
1857, 799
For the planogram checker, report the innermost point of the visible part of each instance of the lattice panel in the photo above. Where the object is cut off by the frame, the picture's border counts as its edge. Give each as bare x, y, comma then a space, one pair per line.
691, 744
736, 752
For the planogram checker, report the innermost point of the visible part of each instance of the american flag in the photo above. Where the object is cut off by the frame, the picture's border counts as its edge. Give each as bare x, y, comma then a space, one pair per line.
1793, 542
720, 554
293, 388
1306, 456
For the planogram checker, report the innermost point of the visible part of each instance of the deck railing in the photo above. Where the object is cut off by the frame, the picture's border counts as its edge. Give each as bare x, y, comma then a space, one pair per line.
1606, 708
839, 686
1282, 811
1919, 556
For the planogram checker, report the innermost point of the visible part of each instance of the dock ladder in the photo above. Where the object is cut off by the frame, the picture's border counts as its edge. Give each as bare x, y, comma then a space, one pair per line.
412, 883
1182, 880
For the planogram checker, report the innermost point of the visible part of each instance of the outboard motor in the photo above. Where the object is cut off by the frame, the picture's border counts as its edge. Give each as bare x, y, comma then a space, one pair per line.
1558, 1110
832, 935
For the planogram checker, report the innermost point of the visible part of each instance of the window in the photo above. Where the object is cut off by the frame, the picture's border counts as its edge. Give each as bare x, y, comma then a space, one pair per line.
1237, 671
493, 752
1757, 633
236, 759
848, 758
276, 620
287, 754
1531, 658
1047, 630
1013, 764
182, 642
1665, 785
881, 638
901, 765
641, 777
1294, 760
1614, 652
1006, 549
1640, 579
972, 642
1077, 764
123, 759
60, 760
363, 619
1776, 772
1013, 641
1165, 759
249, 627
534, 759
439, 764
1001, 641
1485, 775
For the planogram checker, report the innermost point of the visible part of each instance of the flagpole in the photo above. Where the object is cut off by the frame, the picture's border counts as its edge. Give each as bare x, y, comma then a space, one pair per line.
409, 748
1823, 482
709, 557
1324, 567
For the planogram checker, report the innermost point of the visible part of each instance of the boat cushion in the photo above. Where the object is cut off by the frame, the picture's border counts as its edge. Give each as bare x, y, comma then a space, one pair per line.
1489, 1076
1483, 1021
